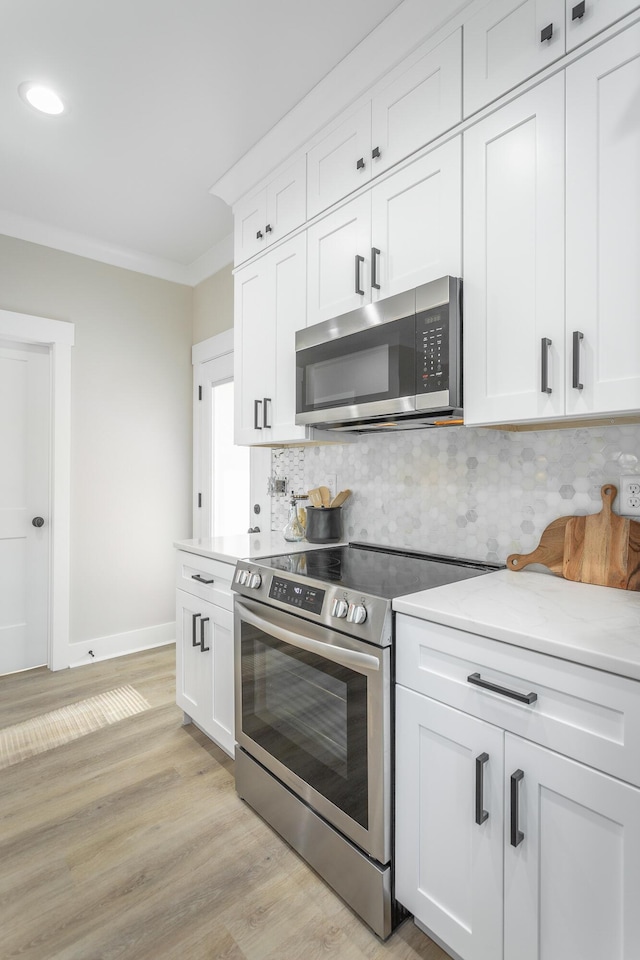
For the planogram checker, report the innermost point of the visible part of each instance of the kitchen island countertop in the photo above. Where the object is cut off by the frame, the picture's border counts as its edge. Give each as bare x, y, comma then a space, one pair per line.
588, 624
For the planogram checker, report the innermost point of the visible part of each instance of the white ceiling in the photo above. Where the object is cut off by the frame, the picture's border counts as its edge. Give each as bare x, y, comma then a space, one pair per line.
164, 97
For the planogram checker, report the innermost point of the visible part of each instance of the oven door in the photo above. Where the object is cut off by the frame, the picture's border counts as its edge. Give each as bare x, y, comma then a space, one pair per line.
313, 707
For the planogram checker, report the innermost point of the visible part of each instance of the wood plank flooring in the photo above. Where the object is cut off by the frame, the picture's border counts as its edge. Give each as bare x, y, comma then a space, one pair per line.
131, 843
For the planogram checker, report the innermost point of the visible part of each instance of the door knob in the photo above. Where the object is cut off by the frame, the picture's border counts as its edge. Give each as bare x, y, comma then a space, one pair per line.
38, 522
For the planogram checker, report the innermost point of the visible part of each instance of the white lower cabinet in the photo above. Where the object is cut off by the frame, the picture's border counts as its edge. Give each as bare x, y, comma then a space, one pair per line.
449, 868
204, 658
506, 849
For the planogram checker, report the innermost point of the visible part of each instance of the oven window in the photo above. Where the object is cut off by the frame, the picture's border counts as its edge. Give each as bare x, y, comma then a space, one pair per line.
311, 715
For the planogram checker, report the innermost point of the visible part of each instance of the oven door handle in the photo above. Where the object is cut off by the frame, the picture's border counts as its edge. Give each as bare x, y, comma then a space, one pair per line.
361, 662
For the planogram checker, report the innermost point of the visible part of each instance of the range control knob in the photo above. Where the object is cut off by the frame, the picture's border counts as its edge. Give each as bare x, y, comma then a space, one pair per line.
255, 580
339, 608
357, 613
242, 576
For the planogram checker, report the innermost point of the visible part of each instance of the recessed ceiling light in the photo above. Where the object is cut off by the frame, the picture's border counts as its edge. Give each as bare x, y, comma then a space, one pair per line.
42, 98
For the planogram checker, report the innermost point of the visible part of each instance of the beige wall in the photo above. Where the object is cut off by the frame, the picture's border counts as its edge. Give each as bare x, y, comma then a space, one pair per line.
213, 305
131, 431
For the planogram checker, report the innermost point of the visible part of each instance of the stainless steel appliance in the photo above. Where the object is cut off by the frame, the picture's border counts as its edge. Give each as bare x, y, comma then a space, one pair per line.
314, 636
392, 365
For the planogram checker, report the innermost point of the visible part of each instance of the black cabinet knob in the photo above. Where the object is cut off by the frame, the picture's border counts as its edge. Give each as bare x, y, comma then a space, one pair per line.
360, 164
578, 11
268, 228
546, 33
375, 153
38, 521
259, 235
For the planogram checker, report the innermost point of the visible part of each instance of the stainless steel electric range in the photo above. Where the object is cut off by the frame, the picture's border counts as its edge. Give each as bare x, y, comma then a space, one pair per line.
314, 635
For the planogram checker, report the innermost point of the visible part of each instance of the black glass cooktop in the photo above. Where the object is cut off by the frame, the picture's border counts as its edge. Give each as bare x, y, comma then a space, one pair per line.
377, 570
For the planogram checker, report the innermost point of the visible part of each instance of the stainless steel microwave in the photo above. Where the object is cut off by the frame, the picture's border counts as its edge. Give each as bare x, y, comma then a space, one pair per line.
392, 365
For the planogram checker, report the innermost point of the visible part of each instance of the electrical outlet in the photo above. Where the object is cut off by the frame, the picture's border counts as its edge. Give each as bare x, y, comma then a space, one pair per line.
331, 481
630, 495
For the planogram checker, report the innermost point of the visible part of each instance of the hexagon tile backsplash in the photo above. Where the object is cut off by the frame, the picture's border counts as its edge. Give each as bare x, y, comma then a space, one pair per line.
476, 493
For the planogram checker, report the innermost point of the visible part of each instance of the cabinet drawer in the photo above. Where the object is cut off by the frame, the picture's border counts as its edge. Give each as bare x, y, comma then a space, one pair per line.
218, 591
583, 713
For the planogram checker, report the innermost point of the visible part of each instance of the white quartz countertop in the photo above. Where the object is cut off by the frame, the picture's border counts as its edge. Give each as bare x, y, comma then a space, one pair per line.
596, 626
245, 546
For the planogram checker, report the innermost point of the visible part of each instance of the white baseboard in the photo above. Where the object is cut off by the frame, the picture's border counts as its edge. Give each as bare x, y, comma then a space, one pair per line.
120, 644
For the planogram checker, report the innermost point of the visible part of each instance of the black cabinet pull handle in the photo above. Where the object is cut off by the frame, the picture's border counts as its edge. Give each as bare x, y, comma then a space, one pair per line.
200, 578
360, 164
256, 404
577, 337
203, 649
359, 260
259, 235
375, 153
578, 11
544, 366
374, 265
194, 641
546, 33
481, 813
517, 836
477, 680
268, 228
267, 400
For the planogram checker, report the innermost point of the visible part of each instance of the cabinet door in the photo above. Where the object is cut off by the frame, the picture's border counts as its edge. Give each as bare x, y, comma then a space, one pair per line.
418, 105
416, 222
340, 163
586, 19
218, 719
571, 885
603, 240
254, 354
249, 220
503, 46
192, 682
288, 281
334, 275
448, 866
514, 259
286, 201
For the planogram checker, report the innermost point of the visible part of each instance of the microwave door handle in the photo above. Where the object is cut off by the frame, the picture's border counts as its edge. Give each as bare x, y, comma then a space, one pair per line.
361, 662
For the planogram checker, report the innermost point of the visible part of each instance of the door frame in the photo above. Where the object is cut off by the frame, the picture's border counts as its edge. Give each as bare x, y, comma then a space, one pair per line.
211, 349
59, 337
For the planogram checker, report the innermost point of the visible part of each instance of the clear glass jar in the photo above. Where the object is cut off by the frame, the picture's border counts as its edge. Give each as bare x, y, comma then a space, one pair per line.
294, 530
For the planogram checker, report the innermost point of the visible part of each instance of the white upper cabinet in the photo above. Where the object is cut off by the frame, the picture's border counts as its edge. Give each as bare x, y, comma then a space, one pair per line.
585, 18
340, 162
513, 250
404, 232
270, 305
418, 105
271, 213
338, 278
420, 102
506, 42
603, 239
416, 223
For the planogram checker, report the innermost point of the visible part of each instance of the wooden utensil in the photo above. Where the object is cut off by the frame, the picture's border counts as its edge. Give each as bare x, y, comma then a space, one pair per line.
602, 548
325, 495
596, 547
340, 498
316, 497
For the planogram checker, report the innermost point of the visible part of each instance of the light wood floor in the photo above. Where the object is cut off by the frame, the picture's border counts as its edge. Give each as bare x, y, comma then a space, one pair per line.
131, 843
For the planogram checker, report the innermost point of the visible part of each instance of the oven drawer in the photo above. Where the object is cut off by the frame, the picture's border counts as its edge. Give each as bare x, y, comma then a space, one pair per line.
588, 714
205, 578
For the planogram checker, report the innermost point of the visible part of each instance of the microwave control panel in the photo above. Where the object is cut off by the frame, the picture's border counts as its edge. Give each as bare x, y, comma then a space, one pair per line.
432, 350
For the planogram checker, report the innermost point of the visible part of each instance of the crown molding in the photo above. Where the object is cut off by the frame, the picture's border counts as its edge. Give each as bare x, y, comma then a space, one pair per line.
35, 231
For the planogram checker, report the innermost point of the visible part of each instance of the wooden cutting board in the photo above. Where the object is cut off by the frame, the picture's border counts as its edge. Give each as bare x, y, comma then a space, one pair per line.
602, 548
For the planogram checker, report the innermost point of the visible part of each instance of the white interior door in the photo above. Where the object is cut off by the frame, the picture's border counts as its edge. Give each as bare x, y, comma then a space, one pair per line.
24, 496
